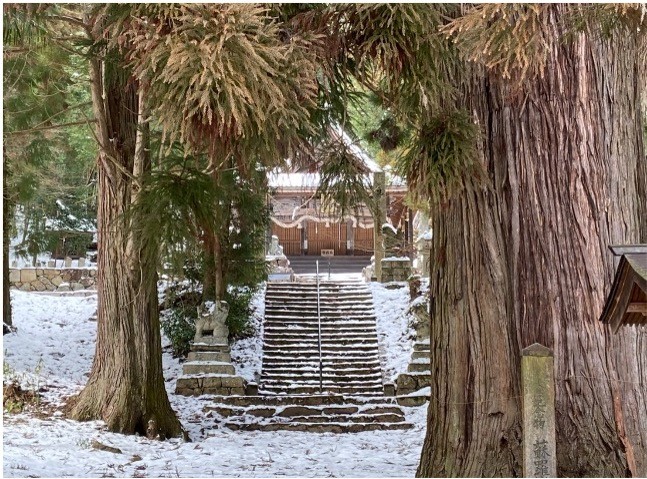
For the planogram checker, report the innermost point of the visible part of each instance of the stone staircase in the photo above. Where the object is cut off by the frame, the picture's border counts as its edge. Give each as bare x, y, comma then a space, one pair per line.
352, 396
349, 347
417, 377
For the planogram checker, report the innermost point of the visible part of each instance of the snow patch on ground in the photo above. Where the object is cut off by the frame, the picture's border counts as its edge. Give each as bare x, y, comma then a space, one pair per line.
394, 333
247, 354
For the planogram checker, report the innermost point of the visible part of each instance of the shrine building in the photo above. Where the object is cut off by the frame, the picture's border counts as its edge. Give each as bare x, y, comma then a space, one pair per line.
304, 227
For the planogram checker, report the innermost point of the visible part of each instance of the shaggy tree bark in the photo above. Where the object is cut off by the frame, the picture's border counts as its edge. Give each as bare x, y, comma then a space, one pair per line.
126, 385
7, 214
526, 260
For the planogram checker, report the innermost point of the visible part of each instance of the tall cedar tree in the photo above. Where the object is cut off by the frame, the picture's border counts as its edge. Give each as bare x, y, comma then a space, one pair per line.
526, 259
126, 385
529, 148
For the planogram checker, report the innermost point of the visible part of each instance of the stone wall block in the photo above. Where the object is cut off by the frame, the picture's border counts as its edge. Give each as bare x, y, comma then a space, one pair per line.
50, 273
27, 275
233, 382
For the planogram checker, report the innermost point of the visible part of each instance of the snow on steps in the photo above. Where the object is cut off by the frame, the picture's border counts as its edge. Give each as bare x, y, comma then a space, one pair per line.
353, 394
349, 340
310, 413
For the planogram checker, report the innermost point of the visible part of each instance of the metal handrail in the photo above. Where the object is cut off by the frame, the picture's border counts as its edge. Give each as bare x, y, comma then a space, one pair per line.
319, 333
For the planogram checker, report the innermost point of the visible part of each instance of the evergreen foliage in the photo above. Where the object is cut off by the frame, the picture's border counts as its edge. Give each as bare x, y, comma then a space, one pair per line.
238, 85
441, 159
49, 166
344, 184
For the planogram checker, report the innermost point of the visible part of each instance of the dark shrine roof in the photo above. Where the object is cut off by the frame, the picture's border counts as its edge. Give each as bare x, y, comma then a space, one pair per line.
627, 301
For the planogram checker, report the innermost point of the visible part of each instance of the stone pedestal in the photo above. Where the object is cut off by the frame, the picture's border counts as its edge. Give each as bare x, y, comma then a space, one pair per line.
395, 269
208, 369
280, 269
538, 396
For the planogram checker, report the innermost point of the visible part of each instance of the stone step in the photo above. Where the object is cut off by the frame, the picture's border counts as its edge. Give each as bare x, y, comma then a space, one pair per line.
218, 384
341, 413
419, 368
209, 356
290, 389
335, 334
311, 298
323, 307
327, 370
337, 325
420, 355
323, 297
422, 346
325, 400
363, 418
325, 337
374, 377
339, 362
320, 428
327, 323
328, 334
314, 340
327, 347
312, 293
207, 367
363, 308
333, 328
296, 410
301, 315
210, 347
291, 314
373, 380
297, 285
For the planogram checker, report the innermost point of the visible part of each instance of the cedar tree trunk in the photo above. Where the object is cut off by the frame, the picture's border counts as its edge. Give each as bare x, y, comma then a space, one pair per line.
7, 215
526, 260
126, 385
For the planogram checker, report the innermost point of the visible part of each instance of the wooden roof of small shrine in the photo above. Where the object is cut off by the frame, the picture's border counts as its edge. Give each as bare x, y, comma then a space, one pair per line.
627, 301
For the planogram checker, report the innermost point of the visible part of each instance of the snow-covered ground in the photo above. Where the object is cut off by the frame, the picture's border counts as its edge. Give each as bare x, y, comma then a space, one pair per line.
53, 349
395, 335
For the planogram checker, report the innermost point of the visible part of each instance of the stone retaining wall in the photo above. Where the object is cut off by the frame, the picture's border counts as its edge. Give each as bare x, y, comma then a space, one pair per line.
53, 279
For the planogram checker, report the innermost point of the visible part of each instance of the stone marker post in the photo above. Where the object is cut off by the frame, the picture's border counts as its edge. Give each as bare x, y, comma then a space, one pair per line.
538, 405
68, 262
379, 196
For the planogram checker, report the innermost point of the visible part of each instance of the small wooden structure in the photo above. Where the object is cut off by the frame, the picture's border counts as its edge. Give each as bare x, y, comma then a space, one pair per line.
627, 301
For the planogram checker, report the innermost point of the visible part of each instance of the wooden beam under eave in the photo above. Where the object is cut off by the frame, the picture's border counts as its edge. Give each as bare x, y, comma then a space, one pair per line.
637, 308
